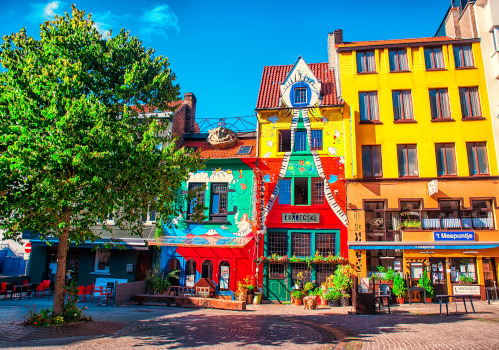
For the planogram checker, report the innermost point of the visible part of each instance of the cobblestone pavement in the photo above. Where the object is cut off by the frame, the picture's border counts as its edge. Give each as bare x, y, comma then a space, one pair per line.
416, 326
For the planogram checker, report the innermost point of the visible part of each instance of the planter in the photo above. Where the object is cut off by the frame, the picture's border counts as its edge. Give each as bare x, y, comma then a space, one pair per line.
429, 300
323, 301
249, 298
257, 299
298, 302
400, 300
345, 301
333, 303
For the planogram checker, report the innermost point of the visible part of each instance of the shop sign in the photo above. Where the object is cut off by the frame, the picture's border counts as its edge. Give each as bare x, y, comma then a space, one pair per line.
466, 289
432, 187
454, 236
292, 218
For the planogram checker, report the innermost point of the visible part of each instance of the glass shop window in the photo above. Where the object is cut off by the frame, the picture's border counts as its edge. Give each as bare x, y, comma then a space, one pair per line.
277, 243
389, 259
277, 271
300, 244
461, 268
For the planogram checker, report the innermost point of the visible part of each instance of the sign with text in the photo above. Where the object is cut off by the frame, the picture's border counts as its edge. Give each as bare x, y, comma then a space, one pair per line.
454, 235
466, 289
292, 218
432, 187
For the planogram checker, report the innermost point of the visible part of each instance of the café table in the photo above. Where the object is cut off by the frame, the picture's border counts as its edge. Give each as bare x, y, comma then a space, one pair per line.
462, 297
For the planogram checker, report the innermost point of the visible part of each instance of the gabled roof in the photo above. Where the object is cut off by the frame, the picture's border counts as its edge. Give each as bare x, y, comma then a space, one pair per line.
213, 153
274, 76
151, 109
430, 40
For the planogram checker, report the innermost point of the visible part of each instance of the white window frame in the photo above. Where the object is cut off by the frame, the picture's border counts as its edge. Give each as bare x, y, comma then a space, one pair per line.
495, 38
98, 252
148, 221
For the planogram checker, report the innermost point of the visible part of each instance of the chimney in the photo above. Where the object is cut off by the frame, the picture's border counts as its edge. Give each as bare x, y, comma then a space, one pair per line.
190, 113
334, 38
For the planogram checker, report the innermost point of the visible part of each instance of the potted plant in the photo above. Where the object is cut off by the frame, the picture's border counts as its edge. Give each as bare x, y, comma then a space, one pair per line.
343, 282
309, 286
399, 288
463, 279
297, 296
158, 281
332, 296
425, 282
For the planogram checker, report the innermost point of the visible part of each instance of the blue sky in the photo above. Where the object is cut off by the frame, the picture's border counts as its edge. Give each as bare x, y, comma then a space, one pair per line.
218, 49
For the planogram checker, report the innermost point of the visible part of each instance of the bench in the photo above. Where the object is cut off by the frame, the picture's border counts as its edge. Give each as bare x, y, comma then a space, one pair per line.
191, 301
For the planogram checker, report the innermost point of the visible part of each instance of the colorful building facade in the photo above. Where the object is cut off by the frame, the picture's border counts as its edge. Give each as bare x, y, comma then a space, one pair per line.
421, 172
222, 246
301, 170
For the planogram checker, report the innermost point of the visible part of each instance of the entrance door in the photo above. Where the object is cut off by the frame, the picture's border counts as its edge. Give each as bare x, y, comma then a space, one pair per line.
277, 282
438, 275
489, 271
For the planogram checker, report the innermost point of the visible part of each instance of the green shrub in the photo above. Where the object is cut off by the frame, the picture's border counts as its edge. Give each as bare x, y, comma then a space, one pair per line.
430, 291
332, 294
399, 288
308, 286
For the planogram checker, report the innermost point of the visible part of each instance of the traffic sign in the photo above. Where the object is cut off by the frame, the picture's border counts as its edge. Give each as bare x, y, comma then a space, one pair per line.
27, 248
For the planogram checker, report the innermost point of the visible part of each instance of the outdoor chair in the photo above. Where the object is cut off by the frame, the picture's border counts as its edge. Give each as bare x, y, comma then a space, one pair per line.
9, 289
32, 290
414, 289
3, 288
384, 292
89, 290
81, 292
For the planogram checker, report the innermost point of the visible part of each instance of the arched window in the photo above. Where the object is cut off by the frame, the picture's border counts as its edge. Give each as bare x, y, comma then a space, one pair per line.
207, 269
174, 265
224, 275
190, 273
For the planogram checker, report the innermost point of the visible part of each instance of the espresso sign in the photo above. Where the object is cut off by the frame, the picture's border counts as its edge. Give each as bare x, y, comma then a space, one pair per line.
300, 218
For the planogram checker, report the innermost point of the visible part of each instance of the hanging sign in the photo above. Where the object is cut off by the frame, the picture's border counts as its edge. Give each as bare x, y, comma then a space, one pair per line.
454, 235
432, 187
300, 218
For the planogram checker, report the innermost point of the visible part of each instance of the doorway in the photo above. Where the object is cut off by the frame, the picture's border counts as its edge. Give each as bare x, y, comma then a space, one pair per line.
489, 272
276, 282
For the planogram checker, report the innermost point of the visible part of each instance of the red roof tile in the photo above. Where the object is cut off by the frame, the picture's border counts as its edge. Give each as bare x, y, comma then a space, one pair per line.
213, 153
274, 76
151, 109
395, 41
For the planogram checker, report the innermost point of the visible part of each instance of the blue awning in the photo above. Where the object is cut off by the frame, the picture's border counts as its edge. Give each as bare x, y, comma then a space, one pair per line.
201, 242
420, 245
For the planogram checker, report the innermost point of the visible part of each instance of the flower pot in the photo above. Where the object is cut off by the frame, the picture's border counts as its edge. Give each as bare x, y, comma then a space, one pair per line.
333, 303
429, 300
400, 300
249, 298
345, 301
323, 301
257, 298
298, 302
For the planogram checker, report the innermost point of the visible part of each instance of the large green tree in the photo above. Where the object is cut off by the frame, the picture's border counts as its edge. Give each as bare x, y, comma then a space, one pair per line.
72, 146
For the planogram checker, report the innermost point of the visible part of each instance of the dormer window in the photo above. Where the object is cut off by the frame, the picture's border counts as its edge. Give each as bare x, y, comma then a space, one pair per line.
300, 95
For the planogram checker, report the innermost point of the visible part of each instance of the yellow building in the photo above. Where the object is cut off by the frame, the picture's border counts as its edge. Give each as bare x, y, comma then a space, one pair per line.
422, 176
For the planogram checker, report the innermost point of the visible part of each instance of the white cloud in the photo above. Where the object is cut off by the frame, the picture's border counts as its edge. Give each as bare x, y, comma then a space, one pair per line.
44, 11
158, 21
105, 21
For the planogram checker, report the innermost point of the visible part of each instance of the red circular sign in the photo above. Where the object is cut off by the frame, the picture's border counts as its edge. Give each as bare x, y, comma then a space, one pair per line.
27, 247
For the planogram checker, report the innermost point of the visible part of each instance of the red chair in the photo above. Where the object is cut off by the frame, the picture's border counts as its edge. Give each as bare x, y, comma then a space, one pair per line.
81, 291
89, 290
25, 282
3, 289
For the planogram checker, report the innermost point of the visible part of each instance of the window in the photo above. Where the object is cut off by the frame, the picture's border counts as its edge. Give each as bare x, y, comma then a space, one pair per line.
368, 105
219, 199
300, 140
277, 271
300, 244
199, 198
300, 95
371, 161
244, 150
317, 191
285, 191
324, 271
102, 257
389, 259
296, 269
316, 140
463, 56
277, 243
434, 58
284, 140
482, 214
365, 62
174, 265
325, 243
463, 267
439, 104
398, 60
375, 220
301, 190
207, 269
446, 159
470, 103
224, 273
408, 160
149, 218
477, 158
410, 215
190, 273
402, 105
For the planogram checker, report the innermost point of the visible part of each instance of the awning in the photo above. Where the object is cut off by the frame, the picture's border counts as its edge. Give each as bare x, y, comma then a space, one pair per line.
421, 245
201, 242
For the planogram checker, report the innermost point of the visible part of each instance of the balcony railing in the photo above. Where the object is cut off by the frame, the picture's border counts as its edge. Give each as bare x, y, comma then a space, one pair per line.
457, 223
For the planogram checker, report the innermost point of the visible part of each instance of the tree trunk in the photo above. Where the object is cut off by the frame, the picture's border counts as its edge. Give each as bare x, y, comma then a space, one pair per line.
60, 276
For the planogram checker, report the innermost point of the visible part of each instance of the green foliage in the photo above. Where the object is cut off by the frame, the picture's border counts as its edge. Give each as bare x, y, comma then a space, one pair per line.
158, 281
332, 293
298, 294
410, 224
71, 314
466, 279
385, 274
315, 291
343, 279
399, 287
72, 147
308, 286
425, 282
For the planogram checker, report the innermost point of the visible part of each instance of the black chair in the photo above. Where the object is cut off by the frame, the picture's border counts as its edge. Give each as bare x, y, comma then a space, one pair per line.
384, 292
414, 289
9, 289
32, 290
